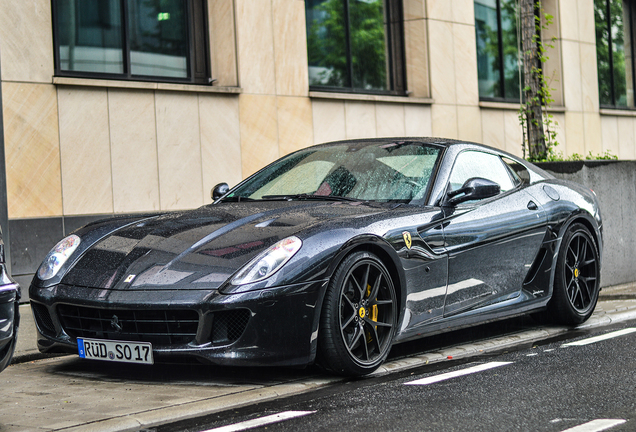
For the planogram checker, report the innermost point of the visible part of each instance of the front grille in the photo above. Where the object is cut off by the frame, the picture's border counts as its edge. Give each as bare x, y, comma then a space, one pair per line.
228, 326
159, 327
43, 319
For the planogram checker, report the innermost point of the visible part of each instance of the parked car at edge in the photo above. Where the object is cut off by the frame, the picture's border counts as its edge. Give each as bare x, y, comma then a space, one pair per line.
9, 312
331, 254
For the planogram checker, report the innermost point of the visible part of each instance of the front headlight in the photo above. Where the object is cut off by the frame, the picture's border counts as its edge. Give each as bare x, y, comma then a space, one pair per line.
57, 257
268, 262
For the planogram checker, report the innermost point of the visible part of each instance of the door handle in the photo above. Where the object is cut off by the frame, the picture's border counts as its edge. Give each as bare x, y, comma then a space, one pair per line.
532, 206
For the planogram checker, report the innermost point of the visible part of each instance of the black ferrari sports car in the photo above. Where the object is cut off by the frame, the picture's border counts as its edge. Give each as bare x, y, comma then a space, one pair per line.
9, 312
331, 254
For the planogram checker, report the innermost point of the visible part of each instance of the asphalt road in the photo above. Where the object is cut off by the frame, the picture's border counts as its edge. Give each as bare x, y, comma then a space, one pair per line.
552, 386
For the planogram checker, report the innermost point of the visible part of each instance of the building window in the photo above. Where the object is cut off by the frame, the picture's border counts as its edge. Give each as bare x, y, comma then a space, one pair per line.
355, 45
497, 50
614, 52
156, 40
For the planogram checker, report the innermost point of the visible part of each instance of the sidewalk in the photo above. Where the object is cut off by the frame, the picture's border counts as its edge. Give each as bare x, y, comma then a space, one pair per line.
26, 349
69, 394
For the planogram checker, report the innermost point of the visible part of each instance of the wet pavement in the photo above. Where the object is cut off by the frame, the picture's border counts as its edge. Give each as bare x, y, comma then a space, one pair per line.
70, 394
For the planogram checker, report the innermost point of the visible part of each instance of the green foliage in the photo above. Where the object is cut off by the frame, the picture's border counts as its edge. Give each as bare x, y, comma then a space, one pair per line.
544, 94
558, 157
327, 43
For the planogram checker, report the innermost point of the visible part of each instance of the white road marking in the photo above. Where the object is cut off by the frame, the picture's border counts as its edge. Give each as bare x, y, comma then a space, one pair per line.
449, 375
250, 424
532, 354
601, 337
596, 425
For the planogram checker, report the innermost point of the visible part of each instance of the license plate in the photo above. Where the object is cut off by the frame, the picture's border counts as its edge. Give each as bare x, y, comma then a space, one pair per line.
116, 351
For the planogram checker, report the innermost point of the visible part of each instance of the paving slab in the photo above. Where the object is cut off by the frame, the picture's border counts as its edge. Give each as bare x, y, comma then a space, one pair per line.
70, 394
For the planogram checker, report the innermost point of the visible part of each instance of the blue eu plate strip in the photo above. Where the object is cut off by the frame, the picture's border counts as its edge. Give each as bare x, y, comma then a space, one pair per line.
80, 346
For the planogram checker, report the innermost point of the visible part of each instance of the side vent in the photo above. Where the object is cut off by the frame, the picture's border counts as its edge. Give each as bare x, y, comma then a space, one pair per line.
43, 319
536, 265
228, 326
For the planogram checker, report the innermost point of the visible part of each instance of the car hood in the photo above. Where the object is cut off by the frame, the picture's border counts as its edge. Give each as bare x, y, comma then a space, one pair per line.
202, 248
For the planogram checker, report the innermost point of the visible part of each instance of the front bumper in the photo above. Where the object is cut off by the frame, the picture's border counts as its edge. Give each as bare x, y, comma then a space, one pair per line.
9, 317
274, 327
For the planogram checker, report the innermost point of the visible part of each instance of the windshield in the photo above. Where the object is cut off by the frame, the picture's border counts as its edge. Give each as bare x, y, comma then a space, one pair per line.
393, 172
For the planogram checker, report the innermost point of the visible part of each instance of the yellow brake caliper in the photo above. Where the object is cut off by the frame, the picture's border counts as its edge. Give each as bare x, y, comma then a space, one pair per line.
374, 313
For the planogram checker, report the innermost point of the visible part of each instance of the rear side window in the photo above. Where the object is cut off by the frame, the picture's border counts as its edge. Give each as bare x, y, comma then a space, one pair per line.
518, 171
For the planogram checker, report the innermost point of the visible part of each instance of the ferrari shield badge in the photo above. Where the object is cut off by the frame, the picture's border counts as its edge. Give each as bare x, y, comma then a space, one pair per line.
407, 239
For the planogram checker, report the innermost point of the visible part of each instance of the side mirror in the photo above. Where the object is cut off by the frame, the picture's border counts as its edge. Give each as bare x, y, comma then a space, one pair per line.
219, 190
475, 188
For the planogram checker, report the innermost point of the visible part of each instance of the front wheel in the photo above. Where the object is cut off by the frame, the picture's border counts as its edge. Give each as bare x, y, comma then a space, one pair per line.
577, 278
358, 318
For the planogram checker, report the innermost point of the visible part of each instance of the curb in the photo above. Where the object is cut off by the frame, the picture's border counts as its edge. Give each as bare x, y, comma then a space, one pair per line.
625, 310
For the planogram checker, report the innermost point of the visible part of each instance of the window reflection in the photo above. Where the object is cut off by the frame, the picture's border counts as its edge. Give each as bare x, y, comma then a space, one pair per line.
614, 52
347, 44
158, 43
497, 49
132, 39
90, 35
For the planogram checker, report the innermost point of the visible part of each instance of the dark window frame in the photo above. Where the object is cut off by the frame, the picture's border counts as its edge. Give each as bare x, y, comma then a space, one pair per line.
501, 69
395, 53
198, 61
610, 50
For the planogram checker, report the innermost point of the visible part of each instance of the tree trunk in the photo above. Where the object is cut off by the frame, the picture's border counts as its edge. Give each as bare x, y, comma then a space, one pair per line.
531, 80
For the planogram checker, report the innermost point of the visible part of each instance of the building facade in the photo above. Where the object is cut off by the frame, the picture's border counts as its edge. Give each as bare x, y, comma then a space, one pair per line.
127, 106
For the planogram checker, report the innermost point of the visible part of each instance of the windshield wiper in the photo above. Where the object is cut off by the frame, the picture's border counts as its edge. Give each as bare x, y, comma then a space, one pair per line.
236, 199
306, 196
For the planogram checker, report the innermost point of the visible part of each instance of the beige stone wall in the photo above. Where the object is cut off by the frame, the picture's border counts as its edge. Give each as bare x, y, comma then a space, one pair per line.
87, 147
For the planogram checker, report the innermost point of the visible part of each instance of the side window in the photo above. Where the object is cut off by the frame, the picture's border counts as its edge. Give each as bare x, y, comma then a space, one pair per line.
518, 171
470, 164
143, 40
355, 45
496, 34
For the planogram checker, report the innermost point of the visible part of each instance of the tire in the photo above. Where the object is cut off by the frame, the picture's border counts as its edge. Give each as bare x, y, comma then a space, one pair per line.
577, 277
359, 316
6, 352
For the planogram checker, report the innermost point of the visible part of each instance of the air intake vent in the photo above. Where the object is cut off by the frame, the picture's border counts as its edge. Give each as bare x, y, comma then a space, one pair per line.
159, 327
43, 319
228, 326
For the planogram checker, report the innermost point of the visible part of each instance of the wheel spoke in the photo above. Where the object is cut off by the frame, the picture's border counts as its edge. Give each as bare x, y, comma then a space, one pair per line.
355, 337
587, 263
571, 290
348, 301
589, 295
572, 253
357, 287
374, 337
383, 302
377, 323
366, 282
374, 291
584, 247
581, 244
364, 342
349, 320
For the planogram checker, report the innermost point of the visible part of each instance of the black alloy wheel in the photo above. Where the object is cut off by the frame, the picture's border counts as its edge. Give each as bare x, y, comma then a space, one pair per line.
577, 278
359, 316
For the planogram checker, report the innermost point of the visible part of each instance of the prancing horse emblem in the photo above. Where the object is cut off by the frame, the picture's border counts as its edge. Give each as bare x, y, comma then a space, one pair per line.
114, 323
407, 239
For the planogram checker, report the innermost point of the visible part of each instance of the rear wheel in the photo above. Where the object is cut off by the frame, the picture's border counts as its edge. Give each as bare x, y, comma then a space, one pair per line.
577, 278
358, 318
